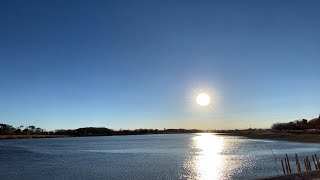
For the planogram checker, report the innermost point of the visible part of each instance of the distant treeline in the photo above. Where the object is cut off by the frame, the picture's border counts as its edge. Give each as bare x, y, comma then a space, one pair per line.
6, 129
302, 124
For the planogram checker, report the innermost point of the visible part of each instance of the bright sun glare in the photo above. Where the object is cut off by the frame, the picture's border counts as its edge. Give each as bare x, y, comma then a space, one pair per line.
203, 99
209, 161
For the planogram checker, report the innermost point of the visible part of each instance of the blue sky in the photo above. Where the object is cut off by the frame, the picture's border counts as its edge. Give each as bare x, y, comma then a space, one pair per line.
140, 64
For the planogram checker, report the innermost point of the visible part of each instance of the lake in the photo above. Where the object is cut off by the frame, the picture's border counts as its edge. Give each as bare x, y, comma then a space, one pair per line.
169, 156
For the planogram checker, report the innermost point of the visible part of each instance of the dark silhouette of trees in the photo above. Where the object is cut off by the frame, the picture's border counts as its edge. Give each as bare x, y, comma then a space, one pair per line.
92, 131
32, 128
285, 126
315, 123
298, 125
6, 129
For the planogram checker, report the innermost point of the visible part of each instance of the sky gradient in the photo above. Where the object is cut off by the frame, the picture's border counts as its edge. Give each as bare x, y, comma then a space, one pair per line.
140, 64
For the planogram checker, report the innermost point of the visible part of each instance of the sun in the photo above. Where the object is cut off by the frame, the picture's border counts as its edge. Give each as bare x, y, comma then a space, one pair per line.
203, 99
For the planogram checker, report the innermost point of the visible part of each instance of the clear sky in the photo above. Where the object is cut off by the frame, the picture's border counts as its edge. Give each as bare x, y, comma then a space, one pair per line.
139, 64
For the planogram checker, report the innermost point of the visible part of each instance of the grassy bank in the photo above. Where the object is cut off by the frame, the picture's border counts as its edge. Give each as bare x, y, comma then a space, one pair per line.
297, 136
30, 136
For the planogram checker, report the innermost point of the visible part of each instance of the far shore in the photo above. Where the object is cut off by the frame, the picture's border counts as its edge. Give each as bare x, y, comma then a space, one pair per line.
296, 136
30, 136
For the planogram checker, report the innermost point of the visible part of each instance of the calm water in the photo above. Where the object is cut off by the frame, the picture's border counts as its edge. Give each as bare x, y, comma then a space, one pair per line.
184, 156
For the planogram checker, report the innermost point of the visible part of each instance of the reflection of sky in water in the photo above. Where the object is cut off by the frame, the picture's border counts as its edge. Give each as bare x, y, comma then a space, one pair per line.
173, 156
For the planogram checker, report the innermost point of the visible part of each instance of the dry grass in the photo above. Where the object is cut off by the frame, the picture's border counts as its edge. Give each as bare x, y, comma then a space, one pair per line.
278, 135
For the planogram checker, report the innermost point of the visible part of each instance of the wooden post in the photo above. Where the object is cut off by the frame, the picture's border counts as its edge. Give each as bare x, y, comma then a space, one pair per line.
308, 163
284, 172
287, 168
288, 163
310, 167
297, 163
305, 164
314, 162
318, 163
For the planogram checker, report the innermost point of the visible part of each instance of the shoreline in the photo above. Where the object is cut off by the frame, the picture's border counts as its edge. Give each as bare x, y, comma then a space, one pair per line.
36, 136
302, 137
302, 175
31, 136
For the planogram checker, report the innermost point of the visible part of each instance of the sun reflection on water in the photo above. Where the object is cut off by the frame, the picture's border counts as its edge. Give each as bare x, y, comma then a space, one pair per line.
208, 161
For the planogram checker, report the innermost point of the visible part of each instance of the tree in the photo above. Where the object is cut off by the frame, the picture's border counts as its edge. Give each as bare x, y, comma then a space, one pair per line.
315, 123
285, 126
7, 129
32, 128
38, 130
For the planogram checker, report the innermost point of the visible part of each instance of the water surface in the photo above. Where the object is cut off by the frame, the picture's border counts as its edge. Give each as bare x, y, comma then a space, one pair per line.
174, 156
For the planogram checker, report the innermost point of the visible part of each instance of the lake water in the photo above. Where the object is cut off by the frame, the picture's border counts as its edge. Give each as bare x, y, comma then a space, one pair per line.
174, 156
